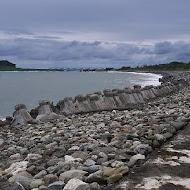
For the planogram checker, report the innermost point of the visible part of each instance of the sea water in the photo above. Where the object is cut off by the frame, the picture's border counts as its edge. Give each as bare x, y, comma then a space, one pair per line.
30, 87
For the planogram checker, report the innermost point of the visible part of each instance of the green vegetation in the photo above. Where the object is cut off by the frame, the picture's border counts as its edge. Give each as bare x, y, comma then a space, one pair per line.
173, 66
8, 66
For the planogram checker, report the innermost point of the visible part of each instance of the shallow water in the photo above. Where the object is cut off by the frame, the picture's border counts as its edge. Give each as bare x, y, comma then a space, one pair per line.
30, 87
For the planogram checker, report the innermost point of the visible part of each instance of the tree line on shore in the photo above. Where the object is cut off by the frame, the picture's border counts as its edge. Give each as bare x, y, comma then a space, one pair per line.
172, 66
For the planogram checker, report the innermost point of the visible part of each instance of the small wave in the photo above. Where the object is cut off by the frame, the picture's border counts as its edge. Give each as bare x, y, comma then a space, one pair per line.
2, 118
136, 73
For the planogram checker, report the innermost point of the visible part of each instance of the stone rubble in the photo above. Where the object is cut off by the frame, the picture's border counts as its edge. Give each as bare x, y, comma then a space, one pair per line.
89, 151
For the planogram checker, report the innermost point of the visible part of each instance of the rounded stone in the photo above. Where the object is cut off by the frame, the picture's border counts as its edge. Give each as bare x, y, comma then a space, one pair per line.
50, 178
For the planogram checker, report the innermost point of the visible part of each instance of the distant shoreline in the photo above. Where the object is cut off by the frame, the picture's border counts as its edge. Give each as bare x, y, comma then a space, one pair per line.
162, 73
163, 69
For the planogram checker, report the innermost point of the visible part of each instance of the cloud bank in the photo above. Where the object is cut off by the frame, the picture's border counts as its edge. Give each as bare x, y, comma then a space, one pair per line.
59, 53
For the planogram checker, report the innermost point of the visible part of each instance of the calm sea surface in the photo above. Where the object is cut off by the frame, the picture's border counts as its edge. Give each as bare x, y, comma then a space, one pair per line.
30, 87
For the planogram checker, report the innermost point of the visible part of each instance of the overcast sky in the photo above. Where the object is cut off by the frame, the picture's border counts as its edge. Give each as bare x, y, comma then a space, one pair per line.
94, 33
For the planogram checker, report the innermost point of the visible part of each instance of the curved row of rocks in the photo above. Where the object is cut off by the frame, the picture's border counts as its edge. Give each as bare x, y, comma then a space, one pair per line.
116, 99
87, 151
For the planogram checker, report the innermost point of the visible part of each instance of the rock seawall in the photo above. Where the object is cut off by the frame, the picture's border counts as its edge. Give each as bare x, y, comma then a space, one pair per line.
116, 99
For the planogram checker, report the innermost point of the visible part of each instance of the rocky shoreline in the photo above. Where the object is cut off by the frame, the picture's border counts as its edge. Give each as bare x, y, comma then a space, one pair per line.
92, 142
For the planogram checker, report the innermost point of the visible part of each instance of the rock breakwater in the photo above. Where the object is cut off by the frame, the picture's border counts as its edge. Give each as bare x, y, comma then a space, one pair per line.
116, 99
90, 151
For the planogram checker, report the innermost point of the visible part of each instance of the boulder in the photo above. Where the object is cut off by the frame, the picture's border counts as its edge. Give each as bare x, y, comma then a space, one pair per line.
21, 116
76, 184
113, 171
135, 158
89, 162
58, 185
95, 186
179, 124
41, 174
50, 178
72, 174
36, 183
159, 138
33, 157
23, 178
97, 177
17, 167
45, 112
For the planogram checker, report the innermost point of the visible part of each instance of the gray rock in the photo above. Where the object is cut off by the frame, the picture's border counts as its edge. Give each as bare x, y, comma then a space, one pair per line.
97, 177
15, 156
135, 158
52, 169
168, 135
58, 185
72, 174
17, 167
47, 117
23, 178
10, 186
89, 162
1, 142
41, 174
115, 124
36, 183
95, 186
21, 116
50, 178
143, 149
76, 184
33, 157
179, 124
116, 164
159, 138
45, 112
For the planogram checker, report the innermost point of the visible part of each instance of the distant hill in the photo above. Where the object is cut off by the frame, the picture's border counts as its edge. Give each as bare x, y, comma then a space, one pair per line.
6, 65
172, 66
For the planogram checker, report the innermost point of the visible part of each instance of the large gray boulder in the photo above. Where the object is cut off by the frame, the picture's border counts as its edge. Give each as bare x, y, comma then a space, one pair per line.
21, 115
45, 112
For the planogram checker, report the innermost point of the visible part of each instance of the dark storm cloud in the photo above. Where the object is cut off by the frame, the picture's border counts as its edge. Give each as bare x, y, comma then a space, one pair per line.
94, 32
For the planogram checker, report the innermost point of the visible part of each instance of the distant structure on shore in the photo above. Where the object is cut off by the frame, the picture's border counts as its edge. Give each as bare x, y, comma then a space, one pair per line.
172, 66
4, 64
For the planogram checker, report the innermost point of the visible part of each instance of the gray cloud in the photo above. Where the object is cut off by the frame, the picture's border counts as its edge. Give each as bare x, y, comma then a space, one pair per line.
120, 20
41, 33
69, 53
